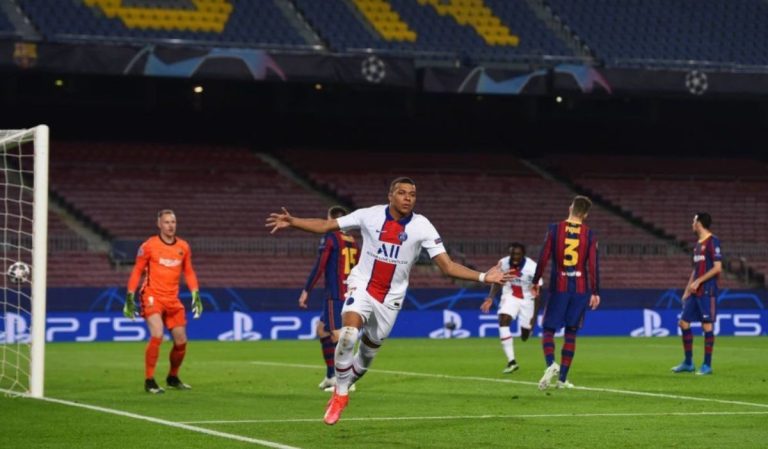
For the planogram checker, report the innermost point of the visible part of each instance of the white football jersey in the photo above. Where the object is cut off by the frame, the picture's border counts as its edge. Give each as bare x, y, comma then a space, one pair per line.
390, 248
520, 285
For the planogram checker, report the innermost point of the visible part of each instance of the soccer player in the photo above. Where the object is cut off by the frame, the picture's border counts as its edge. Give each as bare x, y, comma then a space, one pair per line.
517, 300
574, 284
393, 237
162, 258
339, 253
700, 294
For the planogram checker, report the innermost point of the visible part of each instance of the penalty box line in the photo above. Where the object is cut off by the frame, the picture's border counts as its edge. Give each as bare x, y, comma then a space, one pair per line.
178, 425
522, 382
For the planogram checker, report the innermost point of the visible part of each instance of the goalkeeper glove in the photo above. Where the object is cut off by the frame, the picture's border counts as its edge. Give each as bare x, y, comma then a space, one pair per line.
129, 309
197, 305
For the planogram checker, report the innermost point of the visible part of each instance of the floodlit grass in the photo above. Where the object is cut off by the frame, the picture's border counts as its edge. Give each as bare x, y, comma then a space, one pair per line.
419, 394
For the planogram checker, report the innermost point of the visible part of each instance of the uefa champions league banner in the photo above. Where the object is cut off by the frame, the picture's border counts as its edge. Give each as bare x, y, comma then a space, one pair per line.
252, 326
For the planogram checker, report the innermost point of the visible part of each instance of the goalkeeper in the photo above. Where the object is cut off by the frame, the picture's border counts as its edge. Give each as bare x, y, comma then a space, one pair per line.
162, 258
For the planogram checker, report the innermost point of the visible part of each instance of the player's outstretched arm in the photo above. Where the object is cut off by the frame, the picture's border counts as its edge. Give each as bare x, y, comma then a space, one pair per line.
456, 270
281, 220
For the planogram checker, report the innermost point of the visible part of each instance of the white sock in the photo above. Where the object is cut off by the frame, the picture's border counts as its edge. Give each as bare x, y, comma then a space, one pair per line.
344, 358
507, 342
363, 359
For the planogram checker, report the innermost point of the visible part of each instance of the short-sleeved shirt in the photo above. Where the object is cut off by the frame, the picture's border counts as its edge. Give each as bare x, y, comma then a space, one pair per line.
520, 286
705, 254
390, 248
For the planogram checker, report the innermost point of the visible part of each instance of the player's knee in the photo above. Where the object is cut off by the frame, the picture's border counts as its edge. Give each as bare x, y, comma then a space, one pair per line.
684, 325
348, 338
524, 334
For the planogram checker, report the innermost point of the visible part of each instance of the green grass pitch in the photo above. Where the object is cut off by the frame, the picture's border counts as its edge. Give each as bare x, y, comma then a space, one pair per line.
419, 394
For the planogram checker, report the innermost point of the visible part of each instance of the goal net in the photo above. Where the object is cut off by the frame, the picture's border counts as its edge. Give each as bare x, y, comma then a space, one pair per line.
23, 224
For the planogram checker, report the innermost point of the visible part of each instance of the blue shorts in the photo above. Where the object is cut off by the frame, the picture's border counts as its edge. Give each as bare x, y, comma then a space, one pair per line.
565, 309
699, 309
331, 314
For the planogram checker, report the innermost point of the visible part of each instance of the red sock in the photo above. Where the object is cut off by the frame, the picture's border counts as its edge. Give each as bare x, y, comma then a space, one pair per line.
150, 356
177, 356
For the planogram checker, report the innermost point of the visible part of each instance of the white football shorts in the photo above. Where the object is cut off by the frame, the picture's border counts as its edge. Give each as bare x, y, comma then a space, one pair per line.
378, 319
520, 309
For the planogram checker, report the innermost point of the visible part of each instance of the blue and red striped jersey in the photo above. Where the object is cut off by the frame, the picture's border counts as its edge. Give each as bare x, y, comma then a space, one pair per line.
338, 253
705, 254
572, 247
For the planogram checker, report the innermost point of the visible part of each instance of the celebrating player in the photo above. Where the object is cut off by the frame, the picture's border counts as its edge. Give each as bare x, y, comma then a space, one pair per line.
574, 283
163, 258
700, 294
393, 236
517, 300
338, 254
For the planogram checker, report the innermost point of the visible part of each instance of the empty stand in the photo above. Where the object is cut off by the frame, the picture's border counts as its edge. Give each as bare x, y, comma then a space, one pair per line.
489, 30
658, 30
230, 22
217, 193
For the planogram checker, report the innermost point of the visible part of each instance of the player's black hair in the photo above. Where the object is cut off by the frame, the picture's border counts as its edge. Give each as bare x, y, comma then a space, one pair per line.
704, 218
401, 180
337, 211
517, 245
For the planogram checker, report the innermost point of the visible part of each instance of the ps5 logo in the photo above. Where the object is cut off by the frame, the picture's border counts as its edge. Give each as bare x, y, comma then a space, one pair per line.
651, 326
242, 329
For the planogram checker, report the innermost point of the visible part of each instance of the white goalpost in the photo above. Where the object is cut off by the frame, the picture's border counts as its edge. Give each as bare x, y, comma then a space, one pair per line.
24, 228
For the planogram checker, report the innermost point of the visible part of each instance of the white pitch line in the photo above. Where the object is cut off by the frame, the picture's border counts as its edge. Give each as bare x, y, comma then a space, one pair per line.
178, 425
521, 382
439, 418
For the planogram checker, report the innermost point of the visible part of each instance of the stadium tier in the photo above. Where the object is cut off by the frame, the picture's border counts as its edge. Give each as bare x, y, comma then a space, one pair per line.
219, 194
223, 22
222, 195
618, 33
485, 197
216, 192
624, 32
494, 29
